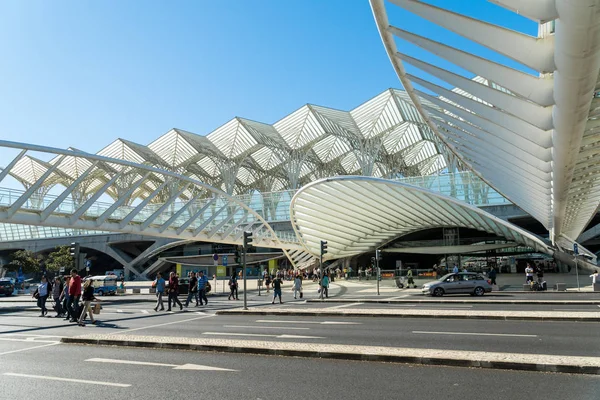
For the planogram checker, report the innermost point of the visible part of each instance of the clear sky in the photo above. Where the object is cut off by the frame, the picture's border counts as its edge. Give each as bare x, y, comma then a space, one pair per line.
84, 73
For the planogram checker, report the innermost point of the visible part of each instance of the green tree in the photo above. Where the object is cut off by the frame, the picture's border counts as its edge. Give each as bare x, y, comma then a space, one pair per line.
24, 259
59, 258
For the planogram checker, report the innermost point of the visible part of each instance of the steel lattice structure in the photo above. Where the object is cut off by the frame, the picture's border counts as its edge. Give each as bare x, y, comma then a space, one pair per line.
192, 210
384, 137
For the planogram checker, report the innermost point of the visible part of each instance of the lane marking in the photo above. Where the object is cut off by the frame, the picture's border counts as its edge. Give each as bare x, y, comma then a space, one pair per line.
265, 327
31, 334
474, 334
119, 311
195, 367
29, 348
29, 340
308, 322
347, 305
55, 378
145, 312
262, 335
158, 325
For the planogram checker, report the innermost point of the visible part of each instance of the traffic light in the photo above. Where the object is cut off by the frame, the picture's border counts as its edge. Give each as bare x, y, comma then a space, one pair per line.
74, 253
378, 254
238, 256
247, 239
373, 261
323, 247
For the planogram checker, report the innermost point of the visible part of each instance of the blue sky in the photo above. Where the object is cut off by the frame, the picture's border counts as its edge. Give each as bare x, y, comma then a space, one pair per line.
84, 73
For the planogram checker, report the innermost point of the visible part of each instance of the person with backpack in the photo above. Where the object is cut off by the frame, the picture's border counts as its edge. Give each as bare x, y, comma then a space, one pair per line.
233, 287
41, 294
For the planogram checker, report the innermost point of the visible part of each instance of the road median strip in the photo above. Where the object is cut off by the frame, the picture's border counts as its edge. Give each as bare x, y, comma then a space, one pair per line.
476, 359
456, 301
412, 313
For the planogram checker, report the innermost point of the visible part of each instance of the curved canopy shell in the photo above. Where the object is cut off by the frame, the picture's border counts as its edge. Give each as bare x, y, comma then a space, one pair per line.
355, 214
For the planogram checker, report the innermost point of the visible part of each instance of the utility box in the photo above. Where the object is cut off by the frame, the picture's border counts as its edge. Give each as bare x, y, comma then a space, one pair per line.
561, 287
596, 287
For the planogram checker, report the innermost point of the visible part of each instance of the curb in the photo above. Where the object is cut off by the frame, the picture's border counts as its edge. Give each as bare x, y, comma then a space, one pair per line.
353, 314
466, 301
368, 353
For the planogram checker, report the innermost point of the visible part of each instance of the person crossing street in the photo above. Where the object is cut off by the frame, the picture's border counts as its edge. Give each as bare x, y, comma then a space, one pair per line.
202, 282
174, 291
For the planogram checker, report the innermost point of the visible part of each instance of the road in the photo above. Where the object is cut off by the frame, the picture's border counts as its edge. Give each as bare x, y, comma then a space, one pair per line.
106, 373
562, 338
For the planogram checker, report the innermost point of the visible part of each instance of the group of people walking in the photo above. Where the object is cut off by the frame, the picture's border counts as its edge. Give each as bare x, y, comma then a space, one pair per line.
67, 295
197, 288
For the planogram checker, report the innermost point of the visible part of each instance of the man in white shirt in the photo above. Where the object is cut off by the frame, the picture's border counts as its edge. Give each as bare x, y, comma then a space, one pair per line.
528, 273
455, 269
594, 277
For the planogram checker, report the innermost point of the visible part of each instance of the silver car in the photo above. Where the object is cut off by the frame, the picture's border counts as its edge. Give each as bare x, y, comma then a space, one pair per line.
459, 283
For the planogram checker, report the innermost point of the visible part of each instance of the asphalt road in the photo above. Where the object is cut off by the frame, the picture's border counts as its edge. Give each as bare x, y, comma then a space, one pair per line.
563, 338
29, 373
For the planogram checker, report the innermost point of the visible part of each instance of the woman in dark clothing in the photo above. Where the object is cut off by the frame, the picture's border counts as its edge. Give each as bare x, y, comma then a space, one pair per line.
233, 287
87, 297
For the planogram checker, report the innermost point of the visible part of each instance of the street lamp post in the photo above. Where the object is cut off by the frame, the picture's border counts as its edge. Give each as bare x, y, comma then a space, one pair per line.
377, 257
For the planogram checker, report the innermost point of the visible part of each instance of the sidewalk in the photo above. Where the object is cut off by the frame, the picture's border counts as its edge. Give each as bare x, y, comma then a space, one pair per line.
474, 359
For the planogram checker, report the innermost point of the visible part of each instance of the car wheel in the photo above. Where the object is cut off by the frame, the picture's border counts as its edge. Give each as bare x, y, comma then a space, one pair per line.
479, 291
100, 293
438, 292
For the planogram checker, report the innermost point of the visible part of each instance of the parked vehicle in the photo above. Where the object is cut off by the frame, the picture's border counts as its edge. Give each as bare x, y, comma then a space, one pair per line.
104, 284
7, 286
460, 283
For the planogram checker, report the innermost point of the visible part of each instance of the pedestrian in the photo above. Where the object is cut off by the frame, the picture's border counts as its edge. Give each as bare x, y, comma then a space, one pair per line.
202, 286
41, 294
539, 270
192, 289
159, 284
87, 298
65, 298
594, 277
233, 288
410, 280
528, 273
492, 276
455, 269
268, 282
74, 295
297, 286
277, 289
174, 291
57, 291
325, 285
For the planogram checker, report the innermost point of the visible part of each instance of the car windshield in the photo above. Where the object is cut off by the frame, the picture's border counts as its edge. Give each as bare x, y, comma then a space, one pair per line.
443, 278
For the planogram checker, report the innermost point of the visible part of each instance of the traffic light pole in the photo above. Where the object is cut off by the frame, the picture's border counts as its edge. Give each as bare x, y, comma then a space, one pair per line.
244, 275
321, 277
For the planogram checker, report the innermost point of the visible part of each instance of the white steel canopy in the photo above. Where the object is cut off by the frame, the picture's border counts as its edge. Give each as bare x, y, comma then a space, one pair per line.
355, 214
384, 136
532, 136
